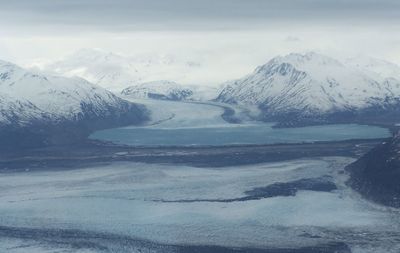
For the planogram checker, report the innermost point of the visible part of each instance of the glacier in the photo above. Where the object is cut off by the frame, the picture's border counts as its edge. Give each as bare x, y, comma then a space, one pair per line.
123, 199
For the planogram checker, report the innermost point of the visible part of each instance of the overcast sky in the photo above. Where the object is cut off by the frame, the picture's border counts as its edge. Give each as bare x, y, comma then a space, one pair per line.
237, 33
131, 15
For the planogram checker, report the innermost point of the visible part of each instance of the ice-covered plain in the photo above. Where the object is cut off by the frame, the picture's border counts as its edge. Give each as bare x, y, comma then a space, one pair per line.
147, 202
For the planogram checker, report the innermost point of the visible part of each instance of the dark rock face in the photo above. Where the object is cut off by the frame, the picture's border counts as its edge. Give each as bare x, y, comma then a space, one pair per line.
377, 174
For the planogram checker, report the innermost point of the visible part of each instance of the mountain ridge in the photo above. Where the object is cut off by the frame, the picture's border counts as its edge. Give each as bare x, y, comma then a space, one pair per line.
311, 86
116, 72
57, 109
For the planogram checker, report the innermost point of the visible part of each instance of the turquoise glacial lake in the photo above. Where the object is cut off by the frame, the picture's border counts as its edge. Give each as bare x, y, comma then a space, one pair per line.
236, 134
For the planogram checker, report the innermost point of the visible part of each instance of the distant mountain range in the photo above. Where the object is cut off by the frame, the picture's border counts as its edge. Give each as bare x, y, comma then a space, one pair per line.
116, 72
316, 88
36, 109
295, 89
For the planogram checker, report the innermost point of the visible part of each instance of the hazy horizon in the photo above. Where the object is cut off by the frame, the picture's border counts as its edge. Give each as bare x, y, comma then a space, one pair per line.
235, 35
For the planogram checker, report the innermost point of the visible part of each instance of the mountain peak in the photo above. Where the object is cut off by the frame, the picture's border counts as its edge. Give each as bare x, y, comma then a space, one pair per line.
310, 62
47, 102
117, 71
310, 58
310, 83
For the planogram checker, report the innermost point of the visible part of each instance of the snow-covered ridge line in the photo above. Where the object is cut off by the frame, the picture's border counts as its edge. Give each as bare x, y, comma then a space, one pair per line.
116, 72
169, 90
34, 102
312, 84
164, 90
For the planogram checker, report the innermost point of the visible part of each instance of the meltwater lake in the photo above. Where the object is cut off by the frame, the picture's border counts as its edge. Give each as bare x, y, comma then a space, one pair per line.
236, 134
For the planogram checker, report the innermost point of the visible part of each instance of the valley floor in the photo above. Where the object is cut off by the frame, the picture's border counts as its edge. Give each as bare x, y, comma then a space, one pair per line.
129, 207
102, 197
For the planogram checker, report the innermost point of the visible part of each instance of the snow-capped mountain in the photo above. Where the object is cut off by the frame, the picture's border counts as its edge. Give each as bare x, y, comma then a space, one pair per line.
165, 90
35, 102
311, 85
116, 72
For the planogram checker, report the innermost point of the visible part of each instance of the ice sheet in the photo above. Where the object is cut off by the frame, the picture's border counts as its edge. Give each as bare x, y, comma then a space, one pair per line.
123, 198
